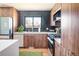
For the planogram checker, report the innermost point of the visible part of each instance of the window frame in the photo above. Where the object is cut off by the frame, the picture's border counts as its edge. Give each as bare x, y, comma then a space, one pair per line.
32, 22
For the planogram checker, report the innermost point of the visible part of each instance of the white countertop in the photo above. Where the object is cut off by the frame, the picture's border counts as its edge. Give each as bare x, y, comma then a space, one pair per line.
58, 40
34, 33
6, 43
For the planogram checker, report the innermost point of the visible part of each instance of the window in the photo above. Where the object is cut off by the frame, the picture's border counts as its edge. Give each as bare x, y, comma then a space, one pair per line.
28, 23
33, 24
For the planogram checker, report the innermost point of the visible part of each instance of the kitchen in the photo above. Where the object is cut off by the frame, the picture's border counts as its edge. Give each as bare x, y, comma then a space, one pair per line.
44, 27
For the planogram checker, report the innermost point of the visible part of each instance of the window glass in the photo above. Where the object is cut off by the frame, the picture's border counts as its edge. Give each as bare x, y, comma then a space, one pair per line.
37, 22
33, 24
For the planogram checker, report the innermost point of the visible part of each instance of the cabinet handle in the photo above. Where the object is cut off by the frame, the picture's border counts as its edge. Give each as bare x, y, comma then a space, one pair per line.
72, 53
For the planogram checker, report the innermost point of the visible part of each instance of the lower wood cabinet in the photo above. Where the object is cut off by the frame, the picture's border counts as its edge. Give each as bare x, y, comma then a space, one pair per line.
57, 49
41, 41
70, 53
35, 40
66, 52
26, 41
63, 51
38, 41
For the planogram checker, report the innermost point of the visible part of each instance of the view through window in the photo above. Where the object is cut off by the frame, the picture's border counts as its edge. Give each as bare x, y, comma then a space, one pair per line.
33, 24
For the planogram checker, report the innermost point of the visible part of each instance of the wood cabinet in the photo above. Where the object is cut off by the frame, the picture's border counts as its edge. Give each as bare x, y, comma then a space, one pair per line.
62, 51
15, 19
57, 49
70, 53
54, 9
66, 52
10, 12
38, 41
70, 28
41, 41
6, 11
35, 40
26, 41
66, 25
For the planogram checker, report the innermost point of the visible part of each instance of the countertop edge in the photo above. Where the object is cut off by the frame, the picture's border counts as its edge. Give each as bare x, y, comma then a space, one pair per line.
34, 33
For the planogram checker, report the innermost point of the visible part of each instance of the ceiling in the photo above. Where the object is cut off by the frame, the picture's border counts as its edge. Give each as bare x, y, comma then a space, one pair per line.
30, 6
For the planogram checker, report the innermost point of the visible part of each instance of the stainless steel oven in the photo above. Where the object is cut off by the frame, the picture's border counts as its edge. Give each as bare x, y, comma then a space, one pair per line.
51, 44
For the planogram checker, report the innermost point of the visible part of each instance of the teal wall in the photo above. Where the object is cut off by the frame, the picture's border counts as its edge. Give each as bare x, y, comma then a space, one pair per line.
44, 14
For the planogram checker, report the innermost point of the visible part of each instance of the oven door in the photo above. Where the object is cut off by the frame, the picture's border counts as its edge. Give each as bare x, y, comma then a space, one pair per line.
51, 46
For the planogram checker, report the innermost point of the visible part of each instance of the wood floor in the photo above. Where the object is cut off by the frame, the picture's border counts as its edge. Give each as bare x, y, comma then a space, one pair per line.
44, 51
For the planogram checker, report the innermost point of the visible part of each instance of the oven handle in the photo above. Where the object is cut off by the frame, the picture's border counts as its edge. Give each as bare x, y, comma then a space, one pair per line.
50, 40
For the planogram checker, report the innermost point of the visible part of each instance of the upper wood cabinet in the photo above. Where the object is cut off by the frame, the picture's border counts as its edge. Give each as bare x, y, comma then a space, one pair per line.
54, 9
10, 12
6, 11
15, 19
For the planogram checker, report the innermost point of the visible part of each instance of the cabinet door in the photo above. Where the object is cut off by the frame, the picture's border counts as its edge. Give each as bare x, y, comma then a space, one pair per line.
69, 26
52, 22
70, 53
41, 41
55, 8
62, 51
75, 27
66, 26
38, 41
0, 11
26, 41
15, 19
30, 38
44, 41
66, 52
57, 49
6, 11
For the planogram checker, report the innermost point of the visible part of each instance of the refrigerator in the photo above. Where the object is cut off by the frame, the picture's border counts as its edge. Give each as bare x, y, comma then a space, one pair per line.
6, 26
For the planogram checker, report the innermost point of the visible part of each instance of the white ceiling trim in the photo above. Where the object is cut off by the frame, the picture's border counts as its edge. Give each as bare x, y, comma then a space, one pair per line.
30, 6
